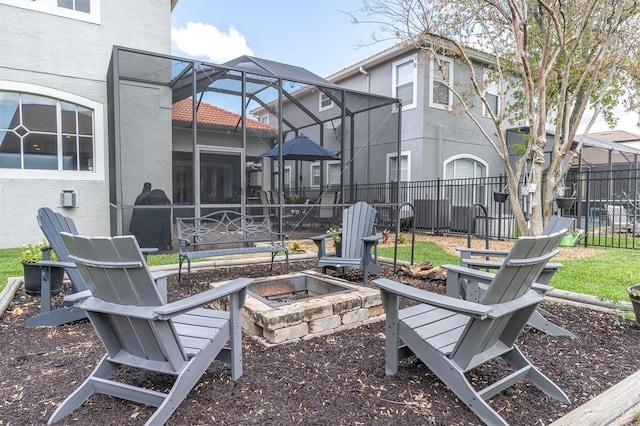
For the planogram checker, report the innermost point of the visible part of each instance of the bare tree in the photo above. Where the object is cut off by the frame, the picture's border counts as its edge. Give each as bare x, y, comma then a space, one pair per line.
549, 60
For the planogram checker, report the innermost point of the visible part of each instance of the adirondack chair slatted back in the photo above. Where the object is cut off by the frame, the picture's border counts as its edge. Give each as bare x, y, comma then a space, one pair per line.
557, 223
115, 272
515, 277
358, 222
52, 224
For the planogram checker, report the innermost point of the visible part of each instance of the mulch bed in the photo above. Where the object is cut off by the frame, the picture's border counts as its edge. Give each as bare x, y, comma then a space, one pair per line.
336, 379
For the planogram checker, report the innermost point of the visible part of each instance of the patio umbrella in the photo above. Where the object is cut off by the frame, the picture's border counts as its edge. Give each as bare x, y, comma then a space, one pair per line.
301, 148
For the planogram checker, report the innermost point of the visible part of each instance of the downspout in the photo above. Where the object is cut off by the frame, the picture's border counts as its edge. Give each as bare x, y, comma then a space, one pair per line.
367, 142
194, 142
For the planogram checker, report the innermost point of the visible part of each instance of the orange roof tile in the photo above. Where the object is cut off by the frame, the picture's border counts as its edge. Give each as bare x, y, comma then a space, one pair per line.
212, 115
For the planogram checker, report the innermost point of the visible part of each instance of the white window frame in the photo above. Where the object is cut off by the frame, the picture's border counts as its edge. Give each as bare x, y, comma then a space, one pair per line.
327, 175
287, 176
327, 165
323, 97
98, 173
51, 7
264, 119
394, 76
314, 166
465, 157
490, 90
434, 77
392, 155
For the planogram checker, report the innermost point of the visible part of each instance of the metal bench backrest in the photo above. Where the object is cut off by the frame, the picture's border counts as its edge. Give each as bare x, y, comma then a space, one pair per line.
225, 227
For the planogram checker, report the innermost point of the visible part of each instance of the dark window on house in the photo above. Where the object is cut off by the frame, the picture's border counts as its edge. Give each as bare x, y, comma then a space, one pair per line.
441, 74
38, 132
493, 102
325, 102
404, 82
77, 5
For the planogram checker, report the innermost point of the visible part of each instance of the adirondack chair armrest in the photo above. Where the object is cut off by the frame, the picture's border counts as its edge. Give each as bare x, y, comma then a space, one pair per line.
323, 237
93, 304
186, 304
531, 297
158, 275
541, 288
482, 252
464, 272
319, 241
372, 238
76, 297
451, 303
56, 263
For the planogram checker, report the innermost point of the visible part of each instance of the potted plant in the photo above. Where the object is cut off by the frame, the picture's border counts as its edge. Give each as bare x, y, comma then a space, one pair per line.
501, 196
337, 239
31, 255
634, 296
566, 196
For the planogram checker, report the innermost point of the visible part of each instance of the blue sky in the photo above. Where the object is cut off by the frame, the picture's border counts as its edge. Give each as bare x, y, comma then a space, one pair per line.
315, 35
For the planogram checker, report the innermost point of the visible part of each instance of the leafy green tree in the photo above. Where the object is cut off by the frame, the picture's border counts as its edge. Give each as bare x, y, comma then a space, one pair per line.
549, 60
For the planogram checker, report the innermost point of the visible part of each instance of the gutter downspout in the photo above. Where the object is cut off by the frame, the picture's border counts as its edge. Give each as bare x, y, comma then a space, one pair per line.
367, 142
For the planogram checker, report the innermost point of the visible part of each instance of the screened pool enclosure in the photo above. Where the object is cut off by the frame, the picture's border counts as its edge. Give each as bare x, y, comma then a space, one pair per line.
196, 131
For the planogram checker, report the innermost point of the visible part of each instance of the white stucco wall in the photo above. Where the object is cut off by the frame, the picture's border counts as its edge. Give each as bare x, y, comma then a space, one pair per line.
68, 58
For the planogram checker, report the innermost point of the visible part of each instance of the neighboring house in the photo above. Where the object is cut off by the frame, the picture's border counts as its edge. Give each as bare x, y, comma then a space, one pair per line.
436, 143
54, 118
619, 136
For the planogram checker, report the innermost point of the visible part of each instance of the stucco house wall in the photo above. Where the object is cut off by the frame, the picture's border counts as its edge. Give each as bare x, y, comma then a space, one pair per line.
67, 58
431, 136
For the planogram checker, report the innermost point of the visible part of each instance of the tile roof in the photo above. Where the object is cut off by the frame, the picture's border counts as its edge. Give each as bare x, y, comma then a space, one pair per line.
213, 116
615, 136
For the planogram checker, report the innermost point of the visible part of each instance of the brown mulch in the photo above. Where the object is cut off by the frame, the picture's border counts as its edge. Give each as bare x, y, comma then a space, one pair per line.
336, 379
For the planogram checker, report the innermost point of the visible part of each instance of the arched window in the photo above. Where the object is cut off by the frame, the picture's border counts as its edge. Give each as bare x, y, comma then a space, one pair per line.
461, 171
465, 168
45, 133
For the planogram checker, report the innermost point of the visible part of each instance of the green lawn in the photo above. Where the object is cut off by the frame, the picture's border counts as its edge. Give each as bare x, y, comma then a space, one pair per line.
604, 275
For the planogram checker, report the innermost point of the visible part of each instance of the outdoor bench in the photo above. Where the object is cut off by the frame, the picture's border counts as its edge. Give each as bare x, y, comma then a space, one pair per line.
226, 233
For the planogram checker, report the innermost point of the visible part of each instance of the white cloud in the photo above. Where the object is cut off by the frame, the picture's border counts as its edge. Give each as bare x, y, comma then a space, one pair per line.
198, 40
627, 120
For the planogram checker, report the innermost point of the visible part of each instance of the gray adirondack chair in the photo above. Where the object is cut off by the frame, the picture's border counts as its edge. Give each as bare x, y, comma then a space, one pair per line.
139, 330
358, 239
52, 224
469, 290
452, 336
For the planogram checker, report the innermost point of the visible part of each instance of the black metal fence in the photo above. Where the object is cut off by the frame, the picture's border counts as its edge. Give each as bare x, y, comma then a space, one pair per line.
606, 206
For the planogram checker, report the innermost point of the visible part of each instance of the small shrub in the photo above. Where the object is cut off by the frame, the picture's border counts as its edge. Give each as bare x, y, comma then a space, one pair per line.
336, 238
32, 253
402, 238
295, 247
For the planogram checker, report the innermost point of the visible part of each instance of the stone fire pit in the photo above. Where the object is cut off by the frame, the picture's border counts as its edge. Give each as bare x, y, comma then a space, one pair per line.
303, 305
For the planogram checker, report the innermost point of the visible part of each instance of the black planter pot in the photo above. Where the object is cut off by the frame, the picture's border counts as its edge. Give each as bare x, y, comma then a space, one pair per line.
565, 203
635, 302
500, 197
339, 249
32, 273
